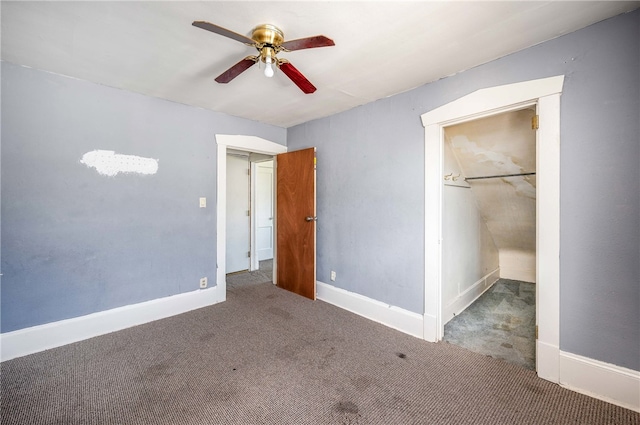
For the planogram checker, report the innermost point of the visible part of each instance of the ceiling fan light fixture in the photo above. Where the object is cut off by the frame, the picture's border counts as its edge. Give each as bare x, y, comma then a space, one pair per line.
268, 69
268, 56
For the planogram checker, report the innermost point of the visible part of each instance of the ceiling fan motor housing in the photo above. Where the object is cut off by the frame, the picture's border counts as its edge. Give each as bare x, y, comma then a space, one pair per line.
267, 34
268, 39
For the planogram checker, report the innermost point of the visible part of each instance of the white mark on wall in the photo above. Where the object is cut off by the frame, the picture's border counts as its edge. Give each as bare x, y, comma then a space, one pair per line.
500, 161
109, 163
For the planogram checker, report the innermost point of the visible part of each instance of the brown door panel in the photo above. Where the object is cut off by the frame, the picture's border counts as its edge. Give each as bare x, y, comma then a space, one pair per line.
296, 227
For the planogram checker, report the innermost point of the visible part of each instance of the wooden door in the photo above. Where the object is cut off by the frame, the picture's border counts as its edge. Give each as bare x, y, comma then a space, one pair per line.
296, 226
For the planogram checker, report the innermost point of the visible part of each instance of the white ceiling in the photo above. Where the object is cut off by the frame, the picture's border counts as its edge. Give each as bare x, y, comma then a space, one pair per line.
382, 48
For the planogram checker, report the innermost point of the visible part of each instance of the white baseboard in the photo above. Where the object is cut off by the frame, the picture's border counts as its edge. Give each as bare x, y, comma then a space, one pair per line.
394, 317
43, 337
604, 381
465, 299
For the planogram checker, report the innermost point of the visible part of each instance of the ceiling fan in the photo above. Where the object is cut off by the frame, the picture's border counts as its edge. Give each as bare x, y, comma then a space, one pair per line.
269, 41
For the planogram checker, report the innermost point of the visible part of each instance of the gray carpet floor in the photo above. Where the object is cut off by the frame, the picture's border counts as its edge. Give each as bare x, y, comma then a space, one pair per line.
267, 356
264, 274
501, 323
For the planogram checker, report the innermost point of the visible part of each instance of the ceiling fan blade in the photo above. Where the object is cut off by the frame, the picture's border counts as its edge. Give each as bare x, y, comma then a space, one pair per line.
307, 43
236, 69
223, 31
297, 77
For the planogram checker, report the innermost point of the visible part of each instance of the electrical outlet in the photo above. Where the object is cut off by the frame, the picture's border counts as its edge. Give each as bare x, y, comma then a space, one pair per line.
203, 282
333, 276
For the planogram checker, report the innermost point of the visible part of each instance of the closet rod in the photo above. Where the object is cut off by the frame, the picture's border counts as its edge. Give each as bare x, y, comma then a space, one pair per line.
502, 175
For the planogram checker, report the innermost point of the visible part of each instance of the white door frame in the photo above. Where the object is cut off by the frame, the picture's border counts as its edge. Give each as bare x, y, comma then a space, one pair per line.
545, 93
242, 143
255, 264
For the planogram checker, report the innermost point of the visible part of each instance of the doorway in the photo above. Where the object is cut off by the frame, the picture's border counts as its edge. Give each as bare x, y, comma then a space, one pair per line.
545, 95
249, 144
489, 236
250, 214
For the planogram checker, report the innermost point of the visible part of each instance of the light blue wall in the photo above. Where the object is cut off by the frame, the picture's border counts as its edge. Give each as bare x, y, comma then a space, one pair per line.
75, 242
370, 200
371, 189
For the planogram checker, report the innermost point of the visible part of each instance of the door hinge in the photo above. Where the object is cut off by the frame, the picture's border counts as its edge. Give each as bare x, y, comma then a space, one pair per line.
535, 122
536, 331
248, 213
249, 254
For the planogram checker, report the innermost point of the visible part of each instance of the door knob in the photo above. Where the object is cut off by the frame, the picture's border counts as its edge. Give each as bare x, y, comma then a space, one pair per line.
311, 218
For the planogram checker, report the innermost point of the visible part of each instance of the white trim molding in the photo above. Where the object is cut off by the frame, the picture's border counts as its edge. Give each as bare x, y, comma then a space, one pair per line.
391, 316
250, 144
547, 360
604, 381
548, 230
50, 335
485, 102
469, 296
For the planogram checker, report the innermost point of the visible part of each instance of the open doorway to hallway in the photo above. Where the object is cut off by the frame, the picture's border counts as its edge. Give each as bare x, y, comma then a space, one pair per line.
246, 144
249, 212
